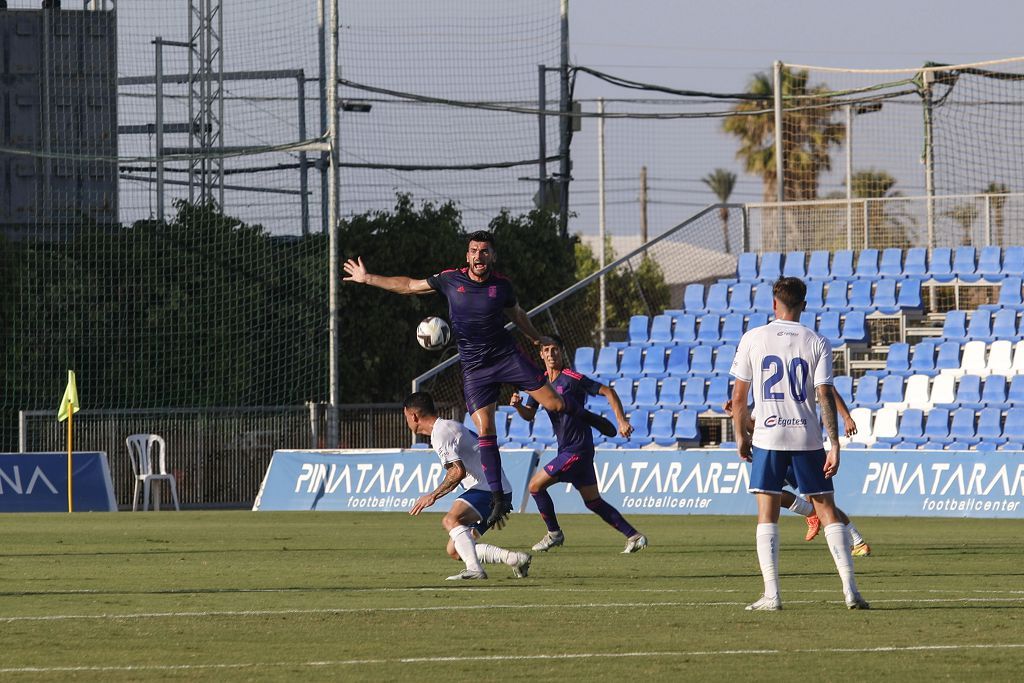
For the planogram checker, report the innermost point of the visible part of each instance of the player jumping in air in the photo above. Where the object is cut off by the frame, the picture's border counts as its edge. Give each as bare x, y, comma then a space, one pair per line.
479, 301
574, 462
784, 361
457, 448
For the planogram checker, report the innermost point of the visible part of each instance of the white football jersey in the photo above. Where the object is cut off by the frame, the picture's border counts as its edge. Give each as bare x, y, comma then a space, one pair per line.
784, 362
452, 441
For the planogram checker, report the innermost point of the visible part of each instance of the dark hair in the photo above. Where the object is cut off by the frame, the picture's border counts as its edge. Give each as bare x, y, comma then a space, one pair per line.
420, 402
790, 291
483, 236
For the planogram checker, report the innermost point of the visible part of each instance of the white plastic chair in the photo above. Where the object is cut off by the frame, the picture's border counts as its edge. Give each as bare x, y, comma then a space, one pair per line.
916, 394
943, 390
972, 362
143, 449
1000, 358
886, 424
1018, 359
862, 418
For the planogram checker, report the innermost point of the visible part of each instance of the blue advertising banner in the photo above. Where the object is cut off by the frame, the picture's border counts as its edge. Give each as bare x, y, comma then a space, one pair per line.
38, 482
368, 480
870, 483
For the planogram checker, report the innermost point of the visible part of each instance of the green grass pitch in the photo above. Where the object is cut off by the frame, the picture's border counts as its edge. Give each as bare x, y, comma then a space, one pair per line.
361, 596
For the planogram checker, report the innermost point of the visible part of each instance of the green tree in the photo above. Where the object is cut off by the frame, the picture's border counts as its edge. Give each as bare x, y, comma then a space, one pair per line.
721, 182
964, 215
888, 224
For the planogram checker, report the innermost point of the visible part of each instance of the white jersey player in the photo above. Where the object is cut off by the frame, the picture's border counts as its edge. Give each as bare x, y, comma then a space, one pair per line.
789, 368
457, 447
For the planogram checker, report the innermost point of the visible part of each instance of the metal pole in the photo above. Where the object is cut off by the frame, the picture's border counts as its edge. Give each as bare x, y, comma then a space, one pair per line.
564, 126
300, 83
333, 428
866, 213
643, 205
220, 104
780, 176
324, 211
929, 169
542, 132
988, 220
191, 107
601, 215
849, 176
159, 75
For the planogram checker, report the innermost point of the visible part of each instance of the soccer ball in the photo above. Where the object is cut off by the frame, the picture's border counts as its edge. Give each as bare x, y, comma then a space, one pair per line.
433, 333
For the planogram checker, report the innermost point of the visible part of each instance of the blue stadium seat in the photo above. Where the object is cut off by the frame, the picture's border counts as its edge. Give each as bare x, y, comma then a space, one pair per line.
993, 395
884, 299
962, 428
583, 361
865, 394
671, 393
1004, 325
719, 391
990, 264
732, 328
686, 426
1012, 446
661, 329
891, 264
855, 329
912, 426
988, 445
922, 361
723, 358
795, 265
763, 299
949, 356
756, 319
965, 264
771, 266
624, 387
598, 404
892, 389
836, 298
819, 268
693, 298
898, 359
739, 298
661, 428
746, 267
519, 430
631, 363
844, 386
638, 329
641, 436
860, 295
990, 426
1010, 294
940, 265
968, 393
936, 427
829, 327
718, 298
909, 297
702, 361
679, 361
915, 265
980, 326
867, 264
655, 362
684, 332
958, 446
607, 365
955, 326
1015, 395
543, 432
932, 446
646, 394
815, 296
695, 394
708, 329
1013, 261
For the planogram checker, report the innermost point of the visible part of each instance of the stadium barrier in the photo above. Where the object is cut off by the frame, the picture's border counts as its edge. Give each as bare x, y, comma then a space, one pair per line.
870, 483
38, 482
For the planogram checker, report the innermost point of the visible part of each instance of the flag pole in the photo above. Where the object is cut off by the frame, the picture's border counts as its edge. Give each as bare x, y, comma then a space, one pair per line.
71, 414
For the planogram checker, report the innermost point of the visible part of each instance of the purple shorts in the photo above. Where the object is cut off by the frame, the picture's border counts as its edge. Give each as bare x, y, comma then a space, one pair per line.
573, 468
481, 385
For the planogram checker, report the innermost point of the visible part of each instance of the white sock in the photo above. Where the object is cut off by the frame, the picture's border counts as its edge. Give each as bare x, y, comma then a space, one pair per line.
839, 545
465, 546
768, 556
802, 506
492, 554
855, 537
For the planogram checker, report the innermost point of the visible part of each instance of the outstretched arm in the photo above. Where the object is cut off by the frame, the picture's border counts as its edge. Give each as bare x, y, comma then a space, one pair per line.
399, 284
625, 429
522, 321
526, 412
456, 473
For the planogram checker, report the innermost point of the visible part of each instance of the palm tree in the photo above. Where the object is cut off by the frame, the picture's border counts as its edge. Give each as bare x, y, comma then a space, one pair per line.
722, 183
998, 204
965, 214
887, 223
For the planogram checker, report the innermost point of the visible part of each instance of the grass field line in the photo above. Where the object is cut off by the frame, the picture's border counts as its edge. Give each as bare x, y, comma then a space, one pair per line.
506, 658
457, 608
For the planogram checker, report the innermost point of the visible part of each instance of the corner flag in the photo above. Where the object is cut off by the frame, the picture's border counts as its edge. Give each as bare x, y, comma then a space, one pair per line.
70, 396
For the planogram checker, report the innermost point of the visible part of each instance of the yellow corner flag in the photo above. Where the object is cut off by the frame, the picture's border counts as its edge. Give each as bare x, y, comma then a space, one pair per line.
70, 396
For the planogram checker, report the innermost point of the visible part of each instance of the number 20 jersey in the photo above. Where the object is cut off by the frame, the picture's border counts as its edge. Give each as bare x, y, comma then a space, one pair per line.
784, 363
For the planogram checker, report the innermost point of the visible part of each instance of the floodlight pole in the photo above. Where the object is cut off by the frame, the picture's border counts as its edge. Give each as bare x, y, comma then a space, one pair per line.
564, 125
333, 428
780, 177
849, 176
601, 220
929, 159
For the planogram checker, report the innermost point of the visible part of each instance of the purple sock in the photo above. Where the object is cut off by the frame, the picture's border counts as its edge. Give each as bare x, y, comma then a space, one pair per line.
490, 458
609, 514
546, 507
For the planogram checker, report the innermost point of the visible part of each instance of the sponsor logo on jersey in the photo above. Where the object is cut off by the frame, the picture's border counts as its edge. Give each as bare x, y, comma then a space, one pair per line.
779, 421
461, 290
492, 291
785, 334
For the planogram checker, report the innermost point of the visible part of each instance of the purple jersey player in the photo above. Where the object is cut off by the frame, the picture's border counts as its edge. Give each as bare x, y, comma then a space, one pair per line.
479, 301
574, 462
